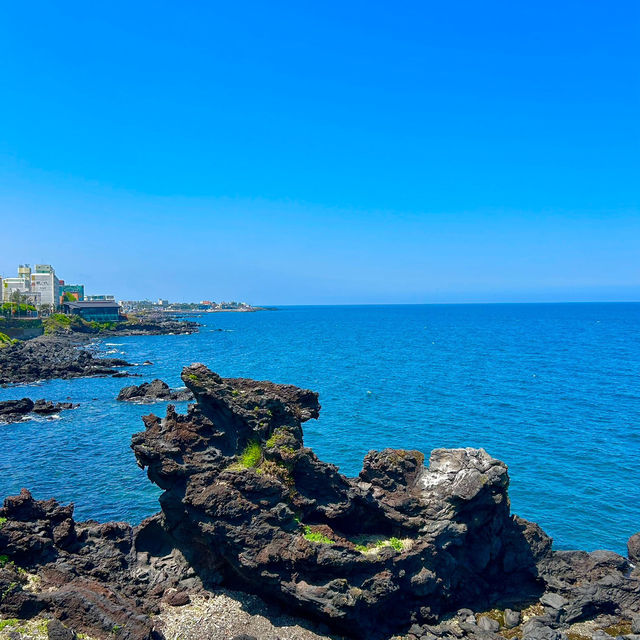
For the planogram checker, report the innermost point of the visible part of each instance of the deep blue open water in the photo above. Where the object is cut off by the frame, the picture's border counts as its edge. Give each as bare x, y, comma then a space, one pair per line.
551, 389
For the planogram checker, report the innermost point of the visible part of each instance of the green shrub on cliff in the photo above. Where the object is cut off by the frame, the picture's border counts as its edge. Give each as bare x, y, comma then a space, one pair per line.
250, 457
61, 323
5, 341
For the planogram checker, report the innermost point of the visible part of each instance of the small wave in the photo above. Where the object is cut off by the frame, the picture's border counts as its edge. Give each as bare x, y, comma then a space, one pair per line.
113, 344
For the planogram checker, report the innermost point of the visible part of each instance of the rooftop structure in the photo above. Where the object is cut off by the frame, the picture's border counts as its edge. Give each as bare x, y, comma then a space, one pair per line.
98, 310
100, 298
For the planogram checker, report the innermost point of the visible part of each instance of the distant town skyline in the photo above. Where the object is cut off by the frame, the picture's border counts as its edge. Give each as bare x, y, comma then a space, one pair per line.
357, 153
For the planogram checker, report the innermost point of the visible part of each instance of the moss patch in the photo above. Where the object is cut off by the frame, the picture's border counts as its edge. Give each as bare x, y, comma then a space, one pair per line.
316, 536
494, 614
6, 341
277, 437
622, 628
276, 470
372, 544
251, 456
10, 622
532, 611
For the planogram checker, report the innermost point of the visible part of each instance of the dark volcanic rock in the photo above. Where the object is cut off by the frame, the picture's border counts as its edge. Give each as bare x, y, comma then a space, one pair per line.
633, 548
46, 407
52, 357
403, 548
15, 410
247, 502
153, 324
584, 585
57, 631
152, 392
12, 410
94, 577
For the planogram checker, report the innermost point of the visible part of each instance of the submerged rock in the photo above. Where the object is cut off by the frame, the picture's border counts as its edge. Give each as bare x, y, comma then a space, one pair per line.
153, 391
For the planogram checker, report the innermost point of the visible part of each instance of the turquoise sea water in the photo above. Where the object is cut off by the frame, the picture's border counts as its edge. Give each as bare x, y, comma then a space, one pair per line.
551, 389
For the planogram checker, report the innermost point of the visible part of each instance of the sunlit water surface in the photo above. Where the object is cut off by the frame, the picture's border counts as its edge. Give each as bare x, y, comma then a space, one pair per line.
551, 389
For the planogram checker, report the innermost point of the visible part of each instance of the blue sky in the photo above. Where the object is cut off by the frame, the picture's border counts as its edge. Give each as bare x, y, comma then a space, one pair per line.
298, 152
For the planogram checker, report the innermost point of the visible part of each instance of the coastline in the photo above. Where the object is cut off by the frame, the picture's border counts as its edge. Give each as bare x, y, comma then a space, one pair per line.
286, 526
59, 354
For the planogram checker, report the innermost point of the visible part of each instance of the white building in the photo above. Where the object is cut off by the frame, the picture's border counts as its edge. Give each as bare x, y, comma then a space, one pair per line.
10, 285
45, 283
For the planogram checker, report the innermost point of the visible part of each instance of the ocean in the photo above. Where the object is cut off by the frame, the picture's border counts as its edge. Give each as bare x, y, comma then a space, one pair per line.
553, 390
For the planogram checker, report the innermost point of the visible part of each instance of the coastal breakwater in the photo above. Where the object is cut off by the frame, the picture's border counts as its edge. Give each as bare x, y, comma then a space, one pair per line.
404, 548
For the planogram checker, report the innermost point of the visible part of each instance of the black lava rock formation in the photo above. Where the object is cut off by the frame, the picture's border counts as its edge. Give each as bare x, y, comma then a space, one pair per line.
153, 391
16, 410
53, 357
427, 551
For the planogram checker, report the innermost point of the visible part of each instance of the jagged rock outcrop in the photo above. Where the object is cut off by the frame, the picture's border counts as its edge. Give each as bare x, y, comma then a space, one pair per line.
633, 548
16, 410
428, 551
249, 505
153, 391
95, 577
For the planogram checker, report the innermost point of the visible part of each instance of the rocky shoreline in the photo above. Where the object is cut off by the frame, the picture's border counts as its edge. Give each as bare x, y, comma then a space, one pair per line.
403, 550
60, 354
54, 357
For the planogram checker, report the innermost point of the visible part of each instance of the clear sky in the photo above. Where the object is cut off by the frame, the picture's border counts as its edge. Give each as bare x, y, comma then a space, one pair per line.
333, 152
